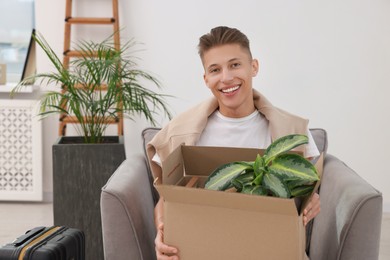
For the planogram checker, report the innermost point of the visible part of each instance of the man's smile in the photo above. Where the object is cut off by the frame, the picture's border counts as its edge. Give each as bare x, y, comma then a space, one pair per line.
230, 90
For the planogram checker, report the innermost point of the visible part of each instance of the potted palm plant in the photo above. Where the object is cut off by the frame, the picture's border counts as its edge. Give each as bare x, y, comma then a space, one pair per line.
95, 83
101, 86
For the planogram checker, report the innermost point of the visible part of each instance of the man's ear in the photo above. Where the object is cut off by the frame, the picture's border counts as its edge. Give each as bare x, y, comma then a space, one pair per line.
255, 67
205, 80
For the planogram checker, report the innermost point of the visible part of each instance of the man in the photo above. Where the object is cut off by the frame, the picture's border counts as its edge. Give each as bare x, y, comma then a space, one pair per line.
237, 116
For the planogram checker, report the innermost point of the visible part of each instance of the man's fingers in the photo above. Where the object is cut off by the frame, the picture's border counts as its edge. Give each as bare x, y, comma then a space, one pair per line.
312, 209
161, 256
316, 205
163, 251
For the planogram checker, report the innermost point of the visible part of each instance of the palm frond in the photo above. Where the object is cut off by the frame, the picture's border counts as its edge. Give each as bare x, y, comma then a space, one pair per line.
100, 63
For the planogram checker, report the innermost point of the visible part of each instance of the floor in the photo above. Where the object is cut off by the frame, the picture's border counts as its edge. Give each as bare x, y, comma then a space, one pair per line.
16, 218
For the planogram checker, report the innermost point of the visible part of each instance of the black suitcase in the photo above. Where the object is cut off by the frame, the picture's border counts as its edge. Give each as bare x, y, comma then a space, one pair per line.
46, 243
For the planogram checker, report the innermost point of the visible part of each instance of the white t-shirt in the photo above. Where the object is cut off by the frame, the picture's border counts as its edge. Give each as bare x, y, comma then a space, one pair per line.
241, 132
236, 132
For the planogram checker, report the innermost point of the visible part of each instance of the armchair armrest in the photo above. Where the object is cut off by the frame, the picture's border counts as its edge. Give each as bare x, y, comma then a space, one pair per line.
348, 226
127, 212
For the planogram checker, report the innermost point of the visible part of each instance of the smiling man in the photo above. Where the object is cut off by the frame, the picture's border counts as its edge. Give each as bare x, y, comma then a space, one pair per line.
236, 116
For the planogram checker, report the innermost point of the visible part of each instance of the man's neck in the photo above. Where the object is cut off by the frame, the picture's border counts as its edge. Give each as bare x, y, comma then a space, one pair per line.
237, 113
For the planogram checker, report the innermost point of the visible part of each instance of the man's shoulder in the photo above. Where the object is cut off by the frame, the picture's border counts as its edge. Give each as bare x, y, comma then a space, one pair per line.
197, 112
191, 121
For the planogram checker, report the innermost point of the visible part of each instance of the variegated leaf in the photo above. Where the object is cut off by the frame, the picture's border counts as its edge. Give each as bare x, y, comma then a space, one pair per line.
276, 186
237, 184
302, 191
221, 178
259, 178
282, 145
258, 166
293, 166
293, 183
245, 178
254, 190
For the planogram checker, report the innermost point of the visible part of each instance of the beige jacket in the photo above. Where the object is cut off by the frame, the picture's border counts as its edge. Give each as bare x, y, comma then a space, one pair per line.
187, 127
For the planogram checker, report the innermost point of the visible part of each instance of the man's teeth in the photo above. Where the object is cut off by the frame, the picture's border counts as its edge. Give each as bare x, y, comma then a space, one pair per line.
230, 89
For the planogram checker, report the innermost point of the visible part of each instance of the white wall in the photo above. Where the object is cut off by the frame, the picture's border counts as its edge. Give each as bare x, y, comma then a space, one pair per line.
325, 60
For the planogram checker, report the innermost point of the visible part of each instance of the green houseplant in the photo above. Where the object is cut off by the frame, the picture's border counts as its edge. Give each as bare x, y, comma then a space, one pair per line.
276, 173
103, 85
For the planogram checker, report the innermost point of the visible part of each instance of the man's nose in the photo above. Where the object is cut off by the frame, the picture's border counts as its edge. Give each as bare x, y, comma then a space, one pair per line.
226, 76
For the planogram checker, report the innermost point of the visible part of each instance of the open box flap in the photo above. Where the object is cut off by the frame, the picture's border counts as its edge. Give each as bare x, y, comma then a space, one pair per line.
172, 167
212, 157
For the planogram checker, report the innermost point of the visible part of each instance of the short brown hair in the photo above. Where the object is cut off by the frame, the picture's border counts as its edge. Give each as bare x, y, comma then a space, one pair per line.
222, 35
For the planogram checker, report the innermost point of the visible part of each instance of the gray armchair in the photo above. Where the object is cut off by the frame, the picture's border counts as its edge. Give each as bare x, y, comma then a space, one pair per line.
348, 226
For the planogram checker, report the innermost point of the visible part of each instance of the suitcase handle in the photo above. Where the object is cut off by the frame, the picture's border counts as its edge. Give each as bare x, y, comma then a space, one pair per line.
29, 234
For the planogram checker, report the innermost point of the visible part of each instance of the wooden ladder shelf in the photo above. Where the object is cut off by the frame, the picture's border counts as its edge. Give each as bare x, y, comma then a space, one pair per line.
68, 53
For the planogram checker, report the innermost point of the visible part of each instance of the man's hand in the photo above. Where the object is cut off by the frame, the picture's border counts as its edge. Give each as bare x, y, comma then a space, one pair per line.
163, 251
312, 209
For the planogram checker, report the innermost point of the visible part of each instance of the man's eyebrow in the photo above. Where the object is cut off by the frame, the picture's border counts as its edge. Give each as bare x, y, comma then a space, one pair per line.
212, 65
215, 64
234, 59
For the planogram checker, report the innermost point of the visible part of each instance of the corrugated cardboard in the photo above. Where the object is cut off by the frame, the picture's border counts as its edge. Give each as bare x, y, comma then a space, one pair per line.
205, 224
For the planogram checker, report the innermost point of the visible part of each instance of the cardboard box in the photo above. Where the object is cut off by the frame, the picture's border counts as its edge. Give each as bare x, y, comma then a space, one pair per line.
205, 224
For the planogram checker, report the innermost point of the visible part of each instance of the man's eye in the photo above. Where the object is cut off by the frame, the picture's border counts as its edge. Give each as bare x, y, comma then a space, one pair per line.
214, 70
235, 65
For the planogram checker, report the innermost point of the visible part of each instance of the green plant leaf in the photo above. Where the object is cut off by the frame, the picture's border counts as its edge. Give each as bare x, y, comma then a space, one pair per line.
255, 190
282, 145
237, 184
258, 165
246, 178
293, 166
221, 177
302, 191
259, 178
243, 180
276, 186
293, 183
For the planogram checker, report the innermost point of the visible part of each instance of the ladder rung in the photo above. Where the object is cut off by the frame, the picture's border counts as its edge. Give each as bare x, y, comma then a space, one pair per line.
74, 120
89, 20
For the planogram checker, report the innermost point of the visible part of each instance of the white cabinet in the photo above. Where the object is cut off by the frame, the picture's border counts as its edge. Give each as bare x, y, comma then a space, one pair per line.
20, 151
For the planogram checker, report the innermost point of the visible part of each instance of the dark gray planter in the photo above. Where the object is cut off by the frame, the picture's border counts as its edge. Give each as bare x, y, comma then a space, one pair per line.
79, 172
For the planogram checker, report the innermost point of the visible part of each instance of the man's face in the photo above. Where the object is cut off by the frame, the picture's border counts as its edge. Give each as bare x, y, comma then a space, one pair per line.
229, 70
